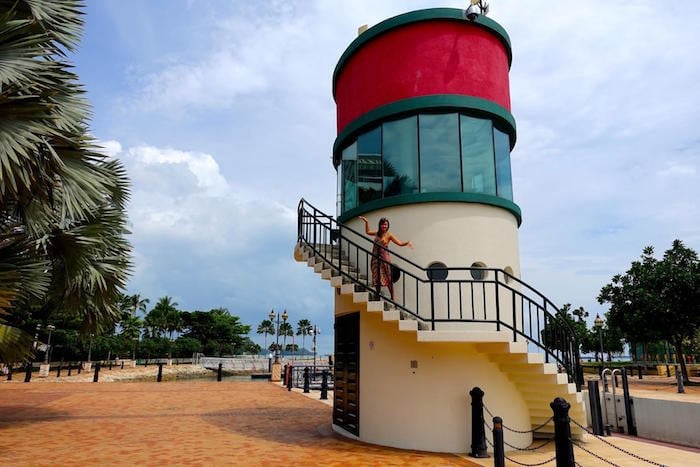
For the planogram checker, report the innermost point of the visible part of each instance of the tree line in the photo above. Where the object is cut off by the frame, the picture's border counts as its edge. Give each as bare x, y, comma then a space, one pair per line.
654, 303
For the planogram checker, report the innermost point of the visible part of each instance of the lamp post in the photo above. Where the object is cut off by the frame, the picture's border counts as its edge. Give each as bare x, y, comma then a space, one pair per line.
314, 332
284, 317
50, 328
598, 323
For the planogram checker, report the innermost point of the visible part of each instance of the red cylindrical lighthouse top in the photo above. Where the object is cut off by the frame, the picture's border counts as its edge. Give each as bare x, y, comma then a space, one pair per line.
422, 53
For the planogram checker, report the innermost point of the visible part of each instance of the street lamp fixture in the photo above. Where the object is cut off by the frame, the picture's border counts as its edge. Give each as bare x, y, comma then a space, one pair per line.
284, 317
598, 323
50, 328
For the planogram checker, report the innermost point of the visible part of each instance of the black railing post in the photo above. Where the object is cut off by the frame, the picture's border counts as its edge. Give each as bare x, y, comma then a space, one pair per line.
596, 413
220, 371
498, 305
324, 385
499, 455
96, 376
160, 373
478, 433
631, 425
290, 378
307, 377
432, 303
28, 373
562, 433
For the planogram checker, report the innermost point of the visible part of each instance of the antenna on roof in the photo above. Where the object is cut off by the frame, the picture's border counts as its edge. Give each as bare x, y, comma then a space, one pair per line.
476, 8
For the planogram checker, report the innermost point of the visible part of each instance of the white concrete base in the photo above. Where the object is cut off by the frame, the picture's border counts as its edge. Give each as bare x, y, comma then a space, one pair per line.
44, 370
276, 375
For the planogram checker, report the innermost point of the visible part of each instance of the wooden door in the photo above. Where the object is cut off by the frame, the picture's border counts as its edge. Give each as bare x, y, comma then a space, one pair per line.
346, 395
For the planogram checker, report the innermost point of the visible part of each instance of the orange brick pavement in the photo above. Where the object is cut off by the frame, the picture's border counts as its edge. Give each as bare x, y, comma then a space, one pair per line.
183, 423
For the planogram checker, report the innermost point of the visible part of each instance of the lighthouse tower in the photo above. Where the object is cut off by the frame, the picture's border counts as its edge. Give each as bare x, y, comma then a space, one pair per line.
425, 135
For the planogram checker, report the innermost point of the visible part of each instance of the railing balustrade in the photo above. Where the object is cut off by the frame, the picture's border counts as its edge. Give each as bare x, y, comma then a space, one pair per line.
487, 298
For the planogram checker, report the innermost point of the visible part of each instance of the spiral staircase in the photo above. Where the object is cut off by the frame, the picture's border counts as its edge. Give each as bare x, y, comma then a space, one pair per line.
540, 373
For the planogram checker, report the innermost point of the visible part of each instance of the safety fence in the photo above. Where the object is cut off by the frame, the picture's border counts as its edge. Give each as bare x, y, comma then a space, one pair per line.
318, 377
564, 443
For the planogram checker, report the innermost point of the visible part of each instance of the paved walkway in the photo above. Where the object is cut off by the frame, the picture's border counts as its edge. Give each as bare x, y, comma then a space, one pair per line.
226, 423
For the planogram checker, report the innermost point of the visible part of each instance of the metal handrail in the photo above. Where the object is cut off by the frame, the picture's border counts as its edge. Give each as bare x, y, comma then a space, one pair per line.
467, 298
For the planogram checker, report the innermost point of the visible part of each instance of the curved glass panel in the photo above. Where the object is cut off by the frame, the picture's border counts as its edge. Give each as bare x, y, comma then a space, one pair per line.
439, 153
400, 151
478, 168
448, 153
349, 177
504, 182
369, 166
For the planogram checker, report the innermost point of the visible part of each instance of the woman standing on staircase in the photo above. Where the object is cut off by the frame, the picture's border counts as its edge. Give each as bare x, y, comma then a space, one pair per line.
381, 261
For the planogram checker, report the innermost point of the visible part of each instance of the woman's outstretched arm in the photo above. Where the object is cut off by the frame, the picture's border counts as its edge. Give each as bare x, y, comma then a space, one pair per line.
367, 231
399, 242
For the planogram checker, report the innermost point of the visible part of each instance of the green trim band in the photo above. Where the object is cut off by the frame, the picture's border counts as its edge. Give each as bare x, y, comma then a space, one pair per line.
454, 14
416, 198
474, 106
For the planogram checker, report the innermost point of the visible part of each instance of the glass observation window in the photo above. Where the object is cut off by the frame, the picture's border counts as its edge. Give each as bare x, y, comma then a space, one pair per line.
349, 172
400, 151
439, 153
369, 166
425, 153
478, 167
503, 176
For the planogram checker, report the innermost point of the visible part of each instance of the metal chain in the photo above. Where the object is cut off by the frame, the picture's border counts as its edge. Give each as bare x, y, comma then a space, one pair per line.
594, 454
522, 463
617, 447
532, 430
516, 447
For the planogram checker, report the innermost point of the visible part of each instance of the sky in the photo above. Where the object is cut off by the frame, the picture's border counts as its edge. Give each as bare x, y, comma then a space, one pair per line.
223, 114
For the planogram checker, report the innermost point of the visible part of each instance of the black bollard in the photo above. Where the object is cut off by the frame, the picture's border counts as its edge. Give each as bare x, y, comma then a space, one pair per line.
290, 379
596, 413
668, 370
639, 369
9, 372
80, 367
562, 433
269, 365
631, 426
324, 385
96, 376
70, 368
307, 378
160, 373
122, 365
285, 373
478, 432
110, 365
145, 364
28, 373
499, 454
679, 380
219, 372
58, 372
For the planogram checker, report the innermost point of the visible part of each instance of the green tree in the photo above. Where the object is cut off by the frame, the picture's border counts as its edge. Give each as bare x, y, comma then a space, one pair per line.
266, 327
63, 221
285, 330
217, 330
304, 329
657, 299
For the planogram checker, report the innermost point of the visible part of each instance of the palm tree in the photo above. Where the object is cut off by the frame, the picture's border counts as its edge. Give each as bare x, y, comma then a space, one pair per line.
303, 330
62, 202
285, 330
266, 327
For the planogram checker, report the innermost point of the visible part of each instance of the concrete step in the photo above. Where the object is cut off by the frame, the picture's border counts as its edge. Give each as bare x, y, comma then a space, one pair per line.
460, 336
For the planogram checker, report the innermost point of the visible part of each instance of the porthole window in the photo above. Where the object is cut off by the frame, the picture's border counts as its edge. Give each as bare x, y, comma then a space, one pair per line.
509, 273
437, 271
478, 274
